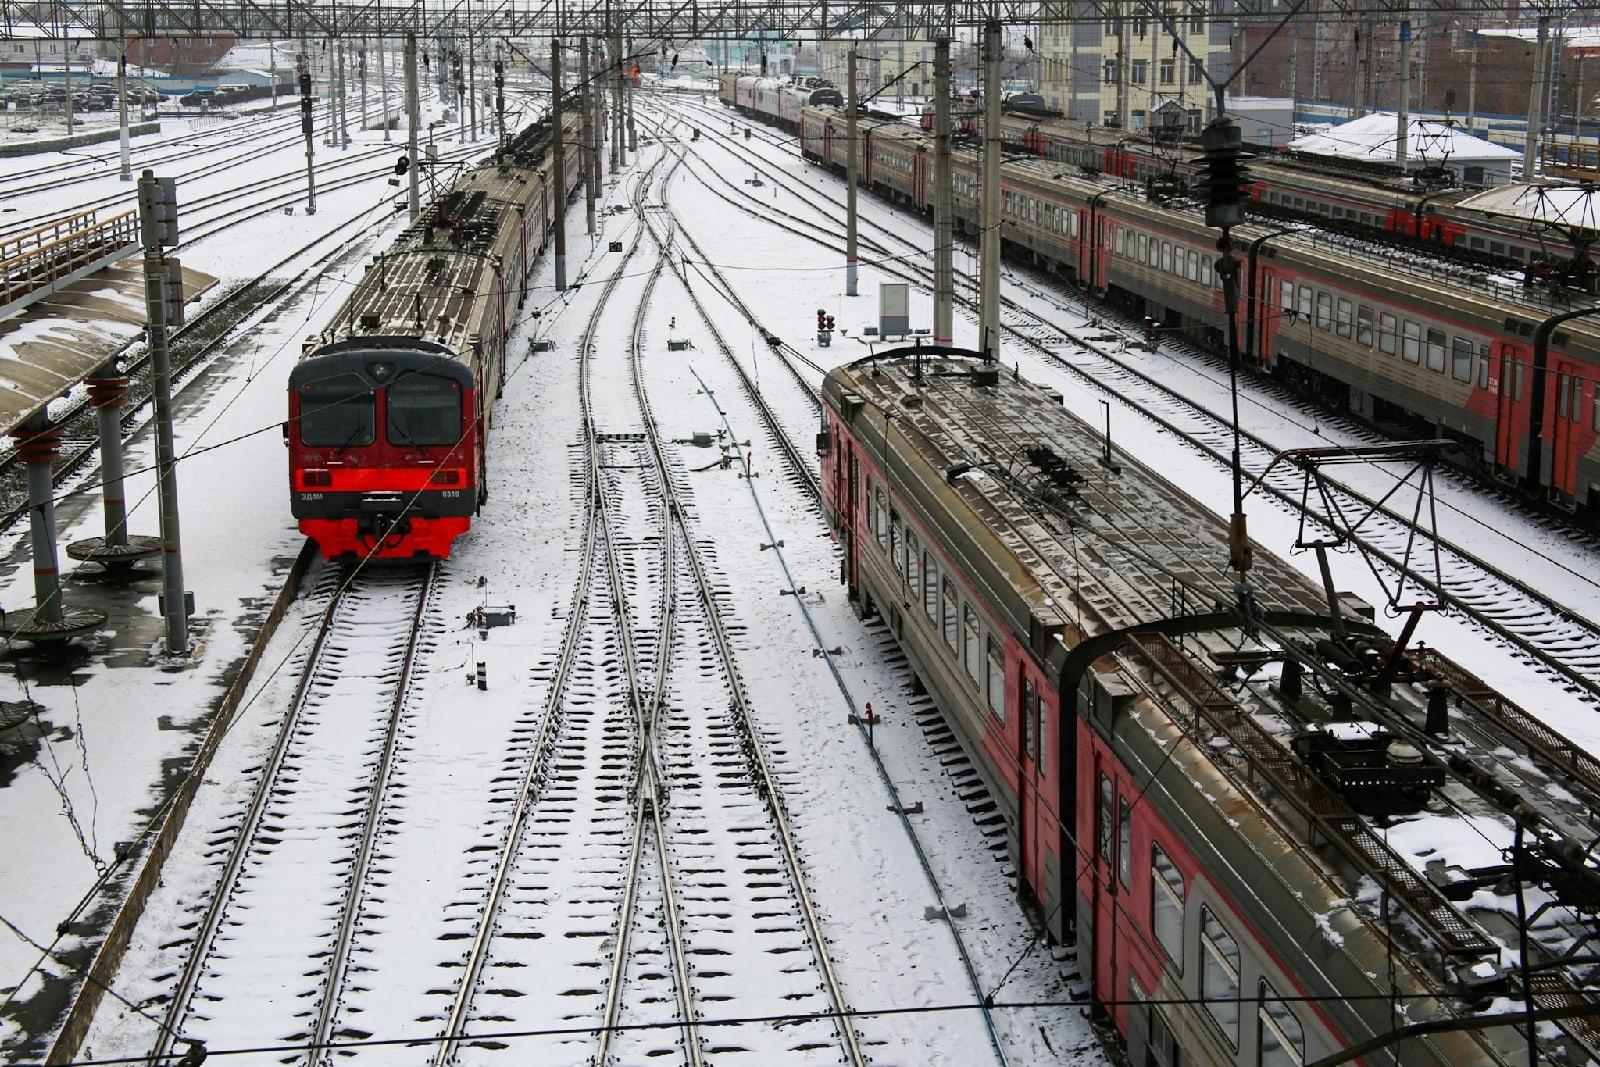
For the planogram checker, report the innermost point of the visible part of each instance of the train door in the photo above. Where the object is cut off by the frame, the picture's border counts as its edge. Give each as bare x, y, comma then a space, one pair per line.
1085, 249
1104, 900
827, 141
1508, 406
1030, 792
1568, 407
865, 162
850, 475
919, 180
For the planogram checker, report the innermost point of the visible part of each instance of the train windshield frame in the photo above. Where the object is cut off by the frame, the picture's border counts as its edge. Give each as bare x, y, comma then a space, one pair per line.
422, 410
339, 411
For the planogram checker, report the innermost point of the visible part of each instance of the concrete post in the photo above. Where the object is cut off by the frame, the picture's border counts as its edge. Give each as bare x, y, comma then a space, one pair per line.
383, 86
589, 154
1536, 94
1124, 70
361, 72
126, 173
850, 105
38, 444
943, 199
633, 134
1472, 76
559, 165
472, 78
306, 105
344, 102
1402, 131
106, 395
989, 220
414, 196
619, 108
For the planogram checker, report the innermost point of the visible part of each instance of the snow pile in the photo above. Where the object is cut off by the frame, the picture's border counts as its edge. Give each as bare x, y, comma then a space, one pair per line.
1372, 138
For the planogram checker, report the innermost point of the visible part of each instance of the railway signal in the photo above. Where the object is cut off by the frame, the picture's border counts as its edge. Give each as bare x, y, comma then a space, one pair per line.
824, 328
1223, 177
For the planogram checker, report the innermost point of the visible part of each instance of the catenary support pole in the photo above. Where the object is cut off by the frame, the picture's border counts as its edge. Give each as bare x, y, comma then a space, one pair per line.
126, 172
152, 196
1472, 76
272, 68
383, 87
588, 131
559, 165
414, 195
472, 78
850, 251
1536, 94
943, 200
306, 104
344, 102
1124, 69
633, 135
989, 221
361, 72
1402, 130
618, 108
500, 98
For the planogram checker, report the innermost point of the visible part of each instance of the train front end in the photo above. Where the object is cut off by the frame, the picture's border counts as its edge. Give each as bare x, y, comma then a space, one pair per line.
382, 448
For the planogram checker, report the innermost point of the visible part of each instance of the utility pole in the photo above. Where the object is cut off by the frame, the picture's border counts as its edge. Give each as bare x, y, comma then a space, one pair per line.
1124, 70
588, 130
361, 69
989, 220
344, 103
1294, 72
1472, 75
1357, 105
272, 66
126, 173
305, 129
472, 75
850, 174
1536, 94
1402, 135
383, 84
943, 202
414, 197
500, 98
619, 144
158, 228
633, 135
559, 210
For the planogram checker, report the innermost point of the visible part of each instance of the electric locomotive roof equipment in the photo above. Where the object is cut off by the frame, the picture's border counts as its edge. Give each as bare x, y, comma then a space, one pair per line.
1272, 832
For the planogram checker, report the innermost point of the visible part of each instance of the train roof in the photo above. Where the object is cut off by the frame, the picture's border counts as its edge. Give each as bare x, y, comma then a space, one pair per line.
1106, 569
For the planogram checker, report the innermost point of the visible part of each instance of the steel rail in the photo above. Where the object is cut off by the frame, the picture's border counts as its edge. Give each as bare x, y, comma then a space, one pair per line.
339, 959
527, 790
1505, 631
211, 922
745, 718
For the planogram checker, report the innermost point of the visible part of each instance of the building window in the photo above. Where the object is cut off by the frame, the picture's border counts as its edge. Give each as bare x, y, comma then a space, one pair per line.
1124, 841
1169, 71
1111, 72
1197, 73
1197, 20
1141, 71
1279, 1036
995, 685
1411, 341
971, 642
951, 630
1386, 333
1166, 904
1461, 359
930, 587
1219, 975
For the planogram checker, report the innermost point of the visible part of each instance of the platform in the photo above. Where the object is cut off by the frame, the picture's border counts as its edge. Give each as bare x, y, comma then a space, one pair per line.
48, 348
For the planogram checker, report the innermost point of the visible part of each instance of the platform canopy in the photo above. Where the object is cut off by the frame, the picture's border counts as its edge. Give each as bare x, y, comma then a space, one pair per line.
1570, 206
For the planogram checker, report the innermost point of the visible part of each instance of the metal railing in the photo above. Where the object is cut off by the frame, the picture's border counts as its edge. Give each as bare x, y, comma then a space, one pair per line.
40, 259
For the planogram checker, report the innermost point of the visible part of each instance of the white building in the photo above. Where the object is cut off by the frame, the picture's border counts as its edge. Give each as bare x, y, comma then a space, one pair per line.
1372, 138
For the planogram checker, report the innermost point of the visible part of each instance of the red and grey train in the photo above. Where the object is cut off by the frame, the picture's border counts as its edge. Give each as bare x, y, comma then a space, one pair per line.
390, 407
1247, 813
1402, 339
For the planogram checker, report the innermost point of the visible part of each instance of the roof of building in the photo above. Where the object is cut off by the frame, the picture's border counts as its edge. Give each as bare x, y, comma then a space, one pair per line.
1372, 138
1561, 205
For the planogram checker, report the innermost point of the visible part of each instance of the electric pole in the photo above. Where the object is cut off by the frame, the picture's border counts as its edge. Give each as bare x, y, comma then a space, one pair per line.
989, 220
1402, 143
305, 129
559, 210
943, 202
414, 198
158, 229
589, 129
1536, 94
126, 173
850, 175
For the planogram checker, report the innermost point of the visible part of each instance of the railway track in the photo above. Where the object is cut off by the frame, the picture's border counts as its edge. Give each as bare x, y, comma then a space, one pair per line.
1551, 636
289, 883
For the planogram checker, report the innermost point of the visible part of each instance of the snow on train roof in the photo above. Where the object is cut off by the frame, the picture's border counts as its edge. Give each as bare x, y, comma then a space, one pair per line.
1561, 205
1372, 138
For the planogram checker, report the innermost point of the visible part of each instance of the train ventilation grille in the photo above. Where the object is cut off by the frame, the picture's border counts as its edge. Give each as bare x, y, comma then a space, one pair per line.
1057, 471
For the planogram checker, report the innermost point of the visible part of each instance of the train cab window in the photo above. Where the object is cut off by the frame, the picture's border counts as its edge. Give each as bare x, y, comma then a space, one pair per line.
1124, 841
1386, 333
1411, 342
995, 681
337, 412
950, 626
971, 643
913, 561
1166, 904
1343, 311
422, 409
1219, 975
1461, 359
1436, 350
1577, 398
1305, 302
1324, 311
1280, 1039
1364, 326
930, 587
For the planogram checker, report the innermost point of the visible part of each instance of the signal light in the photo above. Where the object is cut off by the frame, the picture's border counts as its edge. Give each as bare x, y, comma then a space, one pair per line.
830, 323
1223, 178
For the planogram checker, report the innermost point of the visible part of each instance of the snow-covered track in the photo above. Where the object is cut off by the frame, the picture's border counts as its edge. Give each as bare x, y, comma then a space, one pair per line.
1559, 641
285, 898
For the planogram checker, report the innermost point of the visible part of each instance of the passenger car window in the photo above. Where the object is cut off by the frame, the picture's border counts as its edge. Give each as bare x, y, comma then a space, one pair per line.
1411, 342
971, 642
1386, 333
1219, 975
1280, 1039
951, 627
337, 412
1324, 311
1166, 904
995, 681
1364, 326
1461, 359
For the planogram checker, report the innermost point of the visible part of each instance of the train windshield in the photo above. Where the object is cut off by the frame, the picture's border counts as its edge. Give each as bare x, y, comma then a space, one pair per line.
337, 412
423, 409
